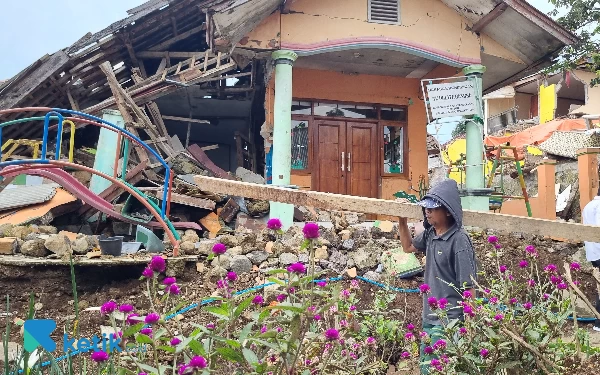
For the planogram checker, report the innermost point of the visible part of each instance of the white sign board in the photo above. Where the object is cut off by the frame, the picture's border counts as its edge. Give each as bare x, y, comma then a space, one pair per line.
452, 99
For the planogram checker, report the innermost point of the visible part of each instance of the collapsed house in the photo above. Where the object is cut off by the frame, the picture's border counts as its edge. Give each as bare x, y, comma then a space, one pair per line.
324, 96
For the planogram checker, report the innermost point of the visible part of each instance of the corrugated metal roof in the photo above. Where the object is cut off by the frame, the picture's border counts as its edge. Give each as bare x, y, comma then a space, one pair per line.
23, 196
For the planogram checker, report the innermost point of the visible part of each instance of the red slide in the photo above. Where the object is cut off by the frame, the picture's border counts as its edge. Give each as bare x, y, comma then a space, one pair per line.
73, 186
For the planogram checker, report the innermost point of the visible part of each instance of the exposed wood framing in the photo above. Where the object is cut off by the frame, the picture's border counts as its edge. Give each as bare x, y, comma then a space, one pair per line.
205, 161
185, 119
175, 39
162, 55
488, 18
484, 220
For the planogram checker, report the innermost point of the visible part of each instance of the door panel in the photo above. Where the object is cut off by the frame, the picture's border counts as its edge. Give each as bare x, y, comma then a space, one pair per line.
362, 171
330, 142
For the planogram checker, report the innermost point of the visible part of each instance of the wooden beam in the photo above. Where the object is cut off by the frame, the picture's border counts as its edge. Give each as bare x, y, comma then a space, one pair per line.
169, 42
174, 55
337, 202
74, 104
488, 18
206, 204
199, 154
185, 119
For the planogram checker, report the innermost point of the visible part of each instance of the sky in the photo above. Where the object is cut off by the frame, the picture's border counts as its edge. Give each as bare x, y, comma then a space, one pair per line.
32, 28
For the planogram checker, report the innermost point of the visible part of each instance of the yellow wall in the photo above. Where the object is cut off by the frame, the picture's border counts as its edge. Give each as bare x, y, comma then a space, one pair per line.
547, 103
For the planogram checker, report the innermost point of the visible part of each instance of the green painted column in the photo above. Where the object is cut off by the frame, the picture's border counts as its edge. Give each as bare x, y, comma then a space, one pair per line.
105, 151
282, 132
475, 197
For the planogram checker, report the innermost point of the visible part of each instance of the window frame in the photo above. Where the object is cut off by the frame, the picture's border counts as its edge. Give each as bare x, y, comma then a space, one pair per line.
404, 127
309, 119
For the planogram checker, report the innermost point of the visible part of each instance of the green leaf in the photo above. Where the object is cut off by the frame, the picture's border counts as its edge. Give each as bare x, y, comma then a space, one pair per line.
288, 306
250, 357
276, 281
143, 339
133, 330
508, 365
230, 354
197, 348
220, 311
149, 369
159, 333
166, 348
242, 306
294, 329
246, 331
263, 315
275, 272
233, 343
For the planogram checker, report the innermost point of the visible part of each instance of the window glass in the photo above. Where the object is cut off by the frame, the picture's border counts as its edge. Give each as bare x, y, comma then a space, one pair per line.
393, 114
345, 110
299, 144
301, 108
393, 149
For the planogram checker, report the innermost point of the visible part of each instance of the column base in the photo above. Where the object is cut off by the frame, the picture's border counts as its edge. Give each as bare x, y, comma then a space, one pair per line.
475, 203
283, 212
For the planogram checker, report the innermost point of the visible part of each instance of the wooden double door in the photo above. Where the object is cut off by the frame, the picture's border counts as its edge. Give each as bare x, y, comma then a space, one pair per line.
345, 158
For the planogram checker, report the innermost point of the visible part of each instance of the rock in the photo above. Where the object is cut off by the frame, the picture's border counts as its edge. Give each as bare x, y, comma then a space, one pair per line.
80, 246
31, 237
348, 244
339, 221
21, 231
58, 244
345, 234
249, 242
191, 236
200, 267
83, 304
217, 273
223, 261
6, 230
257, 257
292, 239
272, 291
257, 208
372, 276
175, 267
235, 251
14, 352
321, 253
188, 248
288, 258
377, 233
122, 229
580, 258
324, 216
278, 248
350, 263
339, 259
205, 246
34, 248
303, 258
240, 264
363, 259
361, 233
354, 217
229, 240
9, 245
331, 236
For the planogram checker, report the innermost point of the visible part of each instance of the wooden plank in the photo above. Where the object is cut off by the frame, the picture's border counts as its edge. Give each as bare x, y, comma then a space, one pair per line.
337, 202
22, 261
198, 154
174, 55
185, 119
167, 43
206, 204
488, 18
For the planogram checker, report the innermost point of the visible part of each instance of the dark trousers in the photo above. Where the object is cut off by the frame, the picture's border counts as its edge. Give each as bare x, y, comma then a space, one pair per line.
596, 264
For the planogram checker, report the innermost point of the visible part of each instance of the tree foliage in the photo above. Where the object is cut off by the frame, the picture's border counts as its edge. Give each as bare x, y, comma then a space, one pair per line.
460, 129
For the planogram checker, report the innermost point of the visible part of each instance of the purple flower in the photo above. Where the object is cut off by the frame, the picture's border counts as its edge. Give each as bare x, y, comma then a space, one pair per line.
169, 281
435, 363
274, 224
210, 326
494, 300
492, 239
425, 289
405, 355
498, 317
467, 294
108, 307
370, 340
432, 301
503, 268
332, 334
513, 301
174, 290
344, 323
148, 273
263, 329
257, 300
99, 357
125, 308
546, 296
354, 284
219, 249
175, 341
352, 308
462, 331
344, 294
428, 350
440, 345
292, 290
575, 266
281, 298
562, 286
484, 353
317, 317
310, 230
409, 336
555, 279
152, 318
183, 369
221, 284
232, 276
322, 284
130, 319
198, 362
523, 264
531, 251
550, 268
527, 305
531, 283
497, 246
442, 303
158, 264
410, 327
297, 268
146, 331
468, 310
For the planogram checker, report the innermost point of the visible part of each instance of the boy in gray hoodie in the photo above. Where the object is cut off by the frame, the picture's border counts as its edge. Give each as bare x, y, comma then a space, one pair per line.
450, 257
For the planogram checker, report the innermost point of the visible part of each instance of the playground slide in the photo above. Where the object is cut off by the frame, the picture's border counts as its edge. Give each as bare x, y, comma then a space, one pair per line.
73, 186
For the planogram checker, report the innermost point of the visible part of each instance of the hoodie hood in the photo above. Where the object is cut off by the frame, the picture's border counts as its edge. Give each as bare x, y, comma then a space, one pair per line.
446, 192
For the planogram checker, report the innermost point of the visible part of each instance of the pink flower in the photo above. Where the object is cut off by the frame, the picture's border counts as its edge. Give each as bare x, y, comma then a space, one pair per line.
210, 326
125, 308
219, 249
322, 284
281, 298
492, 239
494, 300
317, 317
370, 341
158, 264
425, 289
462, 331
274, 224
232, 276
523, 264
503, 268
99, 357
169, 280
442, 303
146, 331
555, 279
310, 230
343, 323
498, 317
352, 308
531, 283
467, 294
497, 246
527, 305
575, 266
405, 355
297, 268
530, 250
152, 318
562, 286
174, 290
130, 319
410, 327
354, 284
432, 301
108, 308
409, 336
198, 362
257, 300
550, 268
263, 329
514, 301
183, 369
344, 294
440, 345
484, 353
428, 350
468, 310
332, 334
175, 341
148, 273
546, 296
